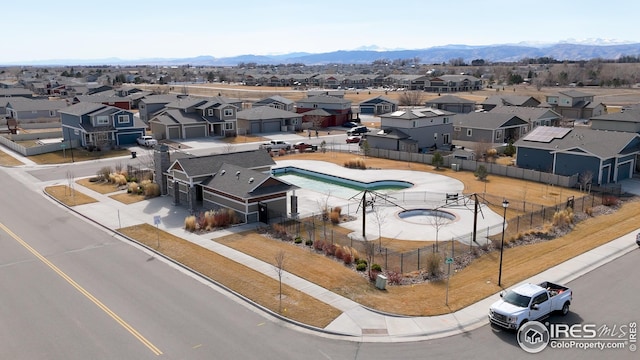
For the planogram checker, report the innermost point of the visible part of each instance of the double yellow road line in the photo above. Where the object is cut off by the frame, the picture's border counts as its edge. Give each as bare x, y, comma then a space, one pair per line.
84, 292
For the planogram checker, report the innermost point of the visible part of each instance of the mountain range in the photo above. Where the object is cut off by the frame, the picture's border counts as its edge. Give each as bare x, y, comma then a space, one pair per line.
435, 55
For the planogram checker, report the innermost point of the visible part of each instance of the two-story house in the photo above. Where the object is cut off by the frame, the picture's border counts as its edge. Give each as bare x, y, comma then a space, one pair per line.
152, 105
575, 104
453, 83
413, 130
99, 126
338, 109
535, 116
494, 129
189, 118
276, 101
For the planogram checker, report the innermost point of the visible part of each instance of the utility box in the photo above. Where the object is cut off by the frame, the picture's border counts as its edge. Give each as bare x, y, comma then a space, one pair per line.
381, 282
455, 167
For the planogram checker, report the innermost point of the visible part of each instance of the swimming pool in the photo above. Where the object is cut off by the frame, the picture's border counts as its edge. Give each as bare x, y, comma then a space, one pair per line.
334, 185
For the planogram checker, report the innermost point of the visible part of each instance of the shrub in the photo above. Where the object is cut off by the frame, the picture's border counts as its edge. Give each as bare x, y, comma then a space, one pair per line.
308, 242
318, 245
355, 164
481, 173
394, 277
433, 264
151, 190
373, 274
279, 230
104, 173
376, 267
609, 200
338, 252
133, 188
361, 261
335, 215
348, 258
190, 223
298, 240
510, 150
589, 211
563, 217
492, 152
361, 266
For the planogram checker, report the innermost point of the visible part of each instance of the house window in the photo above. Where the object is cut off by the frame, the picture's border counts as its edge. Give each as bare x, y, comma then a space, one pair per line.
294, 121
102, 120
209, 112
228, 126
446, 138
228, 112
52, 113
100, 137
445, 120
415, 123
123, 119
498, 134
469, 132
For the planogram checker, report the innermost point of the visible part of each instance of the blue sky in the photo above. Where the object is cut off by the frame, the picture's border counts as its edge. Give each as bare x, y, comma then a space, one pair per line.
135, 29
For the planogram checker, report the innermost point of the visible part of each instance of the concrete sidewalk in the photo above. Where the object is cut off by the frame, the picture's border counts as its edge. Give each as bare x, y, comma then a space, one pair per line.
356, 322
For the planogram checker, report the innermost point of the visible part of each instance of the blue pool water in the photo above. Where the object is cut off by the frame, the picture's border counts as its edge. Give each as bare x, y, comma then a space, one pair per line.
335, 185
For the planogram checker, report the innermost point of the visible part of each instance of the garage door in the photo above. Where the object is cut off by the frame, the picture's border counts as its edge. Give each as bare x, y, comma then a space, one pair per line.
195, 132
128, 138
271, 126
255, 128
624, 171
366, 109
174, 133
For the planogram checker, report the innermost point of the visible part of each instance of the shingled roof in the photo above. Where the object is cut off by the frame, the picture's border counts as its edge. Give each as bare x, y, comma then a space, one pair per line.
208, 165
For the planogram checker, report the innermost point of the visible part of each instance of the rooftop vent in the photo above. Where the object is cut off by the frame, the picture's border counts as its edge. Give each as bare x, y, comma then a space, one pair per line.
250, 180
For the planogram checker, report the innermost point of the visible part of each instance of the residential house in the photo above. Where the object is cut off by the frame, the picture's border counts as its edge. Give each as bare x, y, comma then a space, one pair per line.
188, 118
100, 126
240, 181
453, 83
626, 120
15, 92
608, 156
378, 105
509, 100
111, 99
493, 129
452, 103
152, 105
267, 119
339, 110
276, 101
575, 104
407, 81
413, 130
535, 116
33, 110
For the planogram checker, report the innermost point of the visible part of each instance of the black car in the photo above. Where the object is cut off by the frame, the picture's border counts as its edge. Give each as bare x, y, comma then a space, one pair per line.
638, 239
358, 130
349, 124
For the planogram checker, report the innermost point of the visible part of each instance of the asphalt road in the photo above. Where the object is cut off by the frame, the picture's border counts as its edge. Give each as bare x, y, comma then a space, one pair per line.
70, 290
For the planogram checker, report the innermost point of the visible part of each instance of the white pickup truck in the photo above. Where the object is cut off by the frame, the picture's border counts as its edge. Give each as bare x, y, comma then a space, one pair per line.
529, 302
147, 140
276, 145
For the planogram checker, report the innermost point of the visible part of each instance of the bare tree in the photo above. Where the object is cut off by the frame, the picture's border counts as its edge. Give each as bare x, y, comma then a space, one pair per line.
411, 98
229, 148
437, 220
585, 179
280, 260
379, 218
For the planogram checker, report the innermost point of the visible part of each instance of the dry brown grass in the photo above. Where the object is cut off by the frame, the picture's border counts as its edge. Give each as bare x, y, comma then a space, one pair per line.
251, 284
102, 187
8, 160
79, 154
68, 196
127, 198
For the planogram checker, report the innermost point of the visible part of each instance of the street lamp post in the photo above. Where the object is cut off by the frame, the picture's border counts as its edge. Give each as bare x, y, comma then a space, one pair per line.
505, 205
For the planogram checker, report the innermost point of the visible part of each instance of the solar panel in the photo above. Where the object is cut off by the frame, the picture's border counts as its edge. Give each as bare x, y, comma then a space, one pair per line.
546, 134
398, 113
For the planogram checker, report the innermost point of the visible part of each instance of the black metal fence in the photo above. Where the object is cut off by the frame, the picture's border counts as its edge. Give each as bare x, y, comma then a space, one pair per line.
458, 250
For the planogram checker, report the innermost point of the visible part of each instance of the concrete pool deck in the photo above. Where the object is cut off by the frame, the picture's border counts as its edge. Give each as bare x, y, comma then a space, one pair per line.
428, 192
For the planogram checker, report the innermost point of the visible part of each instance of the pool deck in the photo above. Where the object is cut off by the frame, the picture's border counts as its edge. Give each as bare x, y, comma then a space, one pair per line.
429, 192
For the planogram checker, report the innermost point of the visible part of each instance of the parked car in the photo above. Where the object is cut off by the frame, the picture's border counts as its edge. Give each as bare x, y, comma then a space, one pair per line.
529, 302
301, 145
638, 239
147, 140
350, 124
276, 145
353, 139
358, 130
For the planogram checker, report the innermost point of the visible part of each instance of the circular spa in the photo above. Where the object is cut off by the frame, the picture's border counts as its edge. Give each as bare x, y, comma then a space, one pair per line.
427, 216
